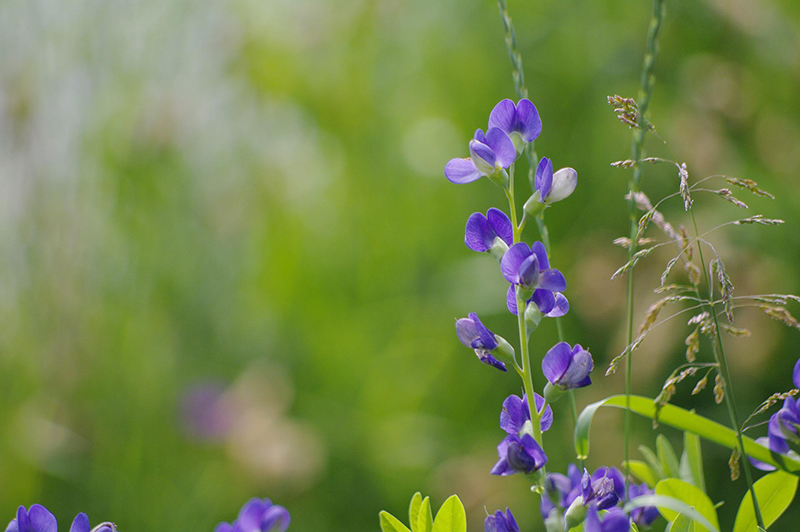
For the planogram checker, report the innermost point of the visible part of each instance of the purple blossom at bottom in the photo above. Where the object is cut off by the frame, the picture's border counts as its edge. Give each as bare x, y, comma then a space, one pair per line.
568, 367
603, 489
501, 522
646, 515
39, 519
258, 515
474, 334
516, 413
519, 455
614, 520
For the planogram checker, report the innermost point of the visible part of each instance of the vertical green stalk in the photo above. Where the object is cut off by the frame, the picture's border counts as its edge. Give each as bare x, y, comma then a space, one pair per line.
647, 82
722, 362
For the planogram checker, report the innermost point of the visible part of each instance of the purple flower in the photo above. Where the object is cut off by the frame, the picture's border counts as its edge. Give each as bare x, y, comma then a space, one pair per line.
475, 335
258, 515
568, 367
550, 304
615, 520
783, 426
551, 187
489, 154
520, 122
486, 233
758, 464
603, 489
501, 522
519, 455
39, 519
642, 516
529, 268
796, 374
516, 414
561, 490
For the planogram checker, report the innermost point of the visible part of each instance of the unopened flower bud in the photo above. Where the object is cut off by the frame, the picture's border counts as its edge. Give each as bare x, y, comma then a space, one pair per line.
576, 513
564, 182
534, 205
504, 352
552, 393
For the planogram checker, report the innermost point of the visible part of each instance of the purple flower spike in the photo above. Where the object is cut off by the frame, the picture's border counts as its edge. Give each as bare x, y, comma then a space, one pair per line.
603, 489
543, 181
521, 122
501, 522
796, 374
489, 154
258, 515
645, 515
567, 367
615, 520
519, 455
474, 334
515, 413
482, 232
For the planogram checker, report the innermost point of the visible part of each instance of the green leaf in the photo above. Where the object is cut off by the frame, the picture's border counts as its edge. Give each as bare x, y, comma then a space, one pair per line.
413, 511
451, 517
680, 419
665, 502
667, 457
681, 524
692, 461
642, 471
693, 496
655, 463
390, 523
774, 492
425, 520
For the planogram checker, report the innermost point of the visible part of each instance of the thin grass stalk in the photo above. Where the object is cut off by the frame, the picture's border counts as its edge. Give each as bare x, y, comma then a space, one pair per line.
647, 82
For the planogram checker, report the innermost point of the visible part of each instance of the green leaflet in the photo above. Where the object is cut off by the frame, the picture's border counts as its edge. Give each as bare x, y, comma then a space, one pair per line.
667, 457
451, 517
643, 472
692, 496
666, 503
680, 419
390, 523
692, 461
774, 492
425, 519
413, 511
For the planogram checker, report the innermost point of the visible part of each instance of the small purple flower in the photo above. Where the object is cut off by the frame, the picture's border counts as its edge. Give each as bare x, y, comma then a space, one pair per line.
758, 464
258, 515
784, 425
475, 335
516, 414
615, 520
501, 522
519, 455
485, 233
552, 187
529, 268
561, 490
567, 367
550, 304
645, 515
489, 154
520, 122
603, 489
39, 519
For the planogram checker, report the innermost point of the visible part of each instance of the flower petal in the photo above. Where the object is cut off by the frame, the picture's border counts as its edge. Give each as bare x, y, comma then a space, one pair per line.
223, 527
556, 362
796, 374
539, 250
615, 520
552, 280
486, 336
276, 519
479, 136
501, 225
511, 300
514, 414
467, 331
41, 519
461, 171
547, 414
503, 116
502, 146
561, 307
250, 515
483, 156
577, 374
544, 300
81, 523
529, 271
12, 526
478, 236
512, 260
544, 178
565, 180
527, 120
764, 442
23, 520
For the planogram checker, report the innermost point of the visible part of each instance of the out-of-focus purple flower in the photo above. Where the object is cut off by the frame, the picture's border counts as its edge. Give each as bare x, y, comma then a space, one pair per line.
516, 414
501, 522
490, 154
784, 425
550, 304
561, 490
258, 515
474, 334
643, 516
615, 520
519, 455
489, 233
39, 519
604, 488
568, 367
796, 374
521, 122
552, 187
763, 466
204, 412
529, 268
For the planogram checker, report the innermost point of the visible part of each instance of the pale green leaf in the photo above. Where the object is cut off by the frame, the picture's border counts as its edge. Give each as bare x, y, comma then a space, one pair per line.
413, 511
451, 517
390, 523
692, 496
667, 457
655, 463
642, 472
425, 521
774, 493
692, 461
681, 524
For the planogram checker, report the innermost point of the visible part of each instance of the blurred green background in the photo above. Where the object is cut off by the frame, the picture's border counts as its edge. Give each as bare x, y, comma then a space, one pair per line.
230, 261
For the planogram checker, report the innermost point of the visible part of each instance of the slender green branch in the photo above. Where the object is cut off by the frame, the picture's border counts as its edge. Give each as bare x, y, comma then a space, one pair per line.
647, 82
730, 399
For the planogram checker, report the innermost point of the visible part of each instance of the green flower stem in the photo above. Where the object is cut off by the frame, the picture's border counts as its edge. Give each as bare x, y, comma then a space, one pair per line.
647, 82
730, 399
